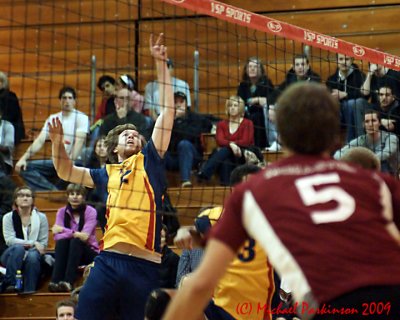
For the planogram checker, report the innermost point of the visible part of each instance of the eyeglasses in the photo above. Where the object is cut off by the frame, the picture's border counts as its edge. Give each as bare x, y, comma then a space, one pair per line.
21, 195
124, 98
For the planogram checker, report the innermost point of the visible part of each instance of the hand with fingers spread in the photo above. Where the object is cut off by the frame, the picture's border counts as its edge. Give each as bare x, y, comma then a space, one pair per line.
56, 131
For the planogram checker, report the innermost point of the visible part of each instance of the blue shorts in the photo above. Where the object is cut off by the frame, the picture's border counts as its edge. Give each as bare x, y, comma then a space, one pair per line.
213, 312
117, 284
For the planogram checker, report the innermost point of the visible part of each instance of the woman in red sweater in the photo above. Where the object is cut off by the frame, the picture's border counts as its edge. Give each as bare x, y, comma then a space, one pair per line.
232, 134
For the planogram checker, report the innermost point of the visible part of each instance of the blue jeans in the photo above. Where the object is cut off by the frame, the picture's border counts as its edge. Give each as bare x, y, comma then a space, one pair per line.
352, 116
30, 266
223, 161
185, 158
38, 173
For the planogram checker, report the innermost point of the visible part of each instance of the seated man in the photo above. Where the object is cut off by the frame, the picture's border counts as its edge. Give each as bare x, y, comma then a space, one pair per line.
106, 84
389, 109
6, 144
11, 108
345, 85
300, 71
38, 173
384, 144
185, 150
151, 105
137, 100
123, 115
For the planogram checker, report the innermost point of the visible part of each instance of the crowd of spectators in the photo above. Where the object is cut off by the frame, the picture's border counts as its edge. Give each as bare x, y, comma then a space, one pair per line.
369, 115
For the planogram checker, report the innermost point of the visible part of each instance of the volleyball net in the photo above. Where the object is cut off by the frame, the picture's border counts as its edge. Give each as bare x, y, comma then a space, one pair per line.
49, 44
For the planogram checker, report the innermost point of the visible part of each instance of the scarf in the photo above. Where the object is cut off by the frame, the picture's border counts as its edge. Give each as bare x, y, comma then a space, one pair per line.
69, 212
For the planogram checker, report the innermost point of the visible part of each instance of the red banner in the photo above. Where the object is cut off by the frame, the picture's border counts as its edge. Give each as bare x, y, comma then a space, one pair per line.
255, 21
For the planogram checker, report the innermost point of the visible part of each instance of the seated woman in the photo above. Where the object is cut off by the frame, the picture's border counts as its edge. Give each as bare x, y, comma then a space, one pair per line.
75, 236
25, 231
232, 134
257, 91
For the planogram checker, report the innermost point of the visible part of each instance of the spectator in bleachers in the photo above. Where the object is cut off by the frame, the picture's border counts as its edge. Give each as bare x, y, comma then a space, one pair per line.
98, 199
11, 108
377, 76
7, 185
65, 310
25, 231
384, 144
185, 150
256, 89
389, 109
124, 114
300, 71
136, 100
232, 135
169, 262
38, 173
75, 235
345, 86
106, 84
271, 130
6, 145
151, 95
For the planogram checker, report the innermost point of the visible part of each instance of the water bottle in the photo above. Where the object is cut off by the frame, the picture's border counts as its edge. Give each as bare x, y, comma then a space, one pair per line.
19, 286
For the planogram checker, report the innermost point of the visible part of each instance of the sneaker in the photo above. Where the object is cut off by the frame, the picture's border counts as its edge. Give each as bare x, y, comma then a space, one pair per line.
65, 286
186, 184
201, 177
54, 287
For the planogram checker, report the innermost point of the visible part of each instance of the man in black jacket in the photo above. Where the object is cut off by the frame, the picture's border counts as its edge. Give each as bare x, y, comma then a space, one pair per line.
345, 86
185, 149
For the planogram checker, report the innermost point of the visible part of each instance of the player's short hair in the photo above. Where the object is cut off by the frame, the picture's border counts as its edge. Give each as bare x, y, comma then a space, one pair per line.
156, 304
66, 89
232, 99
362, 157
17, 193
112, 140
103, 79
242, 171
308, 118
65, 303
78, 188
301, 56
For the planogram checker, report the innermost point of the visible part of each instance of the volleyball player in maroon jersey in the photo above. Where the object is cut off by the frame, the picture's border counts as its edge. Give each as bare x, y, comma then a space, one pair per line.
329, 228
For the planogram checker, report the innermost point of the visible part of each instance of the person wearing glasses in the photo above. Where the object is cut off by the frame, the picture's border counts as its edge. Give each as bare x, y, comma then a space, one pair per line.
25, 231
124, 114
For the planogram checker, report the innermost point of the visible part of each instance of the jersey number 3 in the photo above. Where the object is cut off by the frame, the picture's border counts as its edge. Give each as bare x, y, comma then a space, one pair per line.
310, 196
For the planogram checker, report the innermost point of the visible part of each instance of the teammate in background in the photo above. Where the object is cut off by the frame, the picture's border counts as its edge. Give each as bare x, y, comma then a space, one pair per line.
127, 269
363, 157
249, 278
317, 219
65, 310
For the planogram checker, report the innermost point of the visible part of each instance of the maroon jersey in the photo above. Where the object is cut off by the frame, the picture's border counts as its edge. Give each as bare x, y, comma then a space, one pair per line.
326, 226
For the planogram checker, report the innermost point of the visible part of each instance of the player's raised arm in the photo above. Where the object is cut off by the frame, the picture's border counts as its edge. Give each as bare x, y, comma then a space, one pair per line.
164, 123
62, 163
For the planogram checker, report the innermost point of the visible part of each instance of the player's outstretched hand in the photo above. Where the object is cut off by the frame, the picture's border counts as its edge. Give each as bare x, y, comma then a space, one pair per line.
158, 49
56, 132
